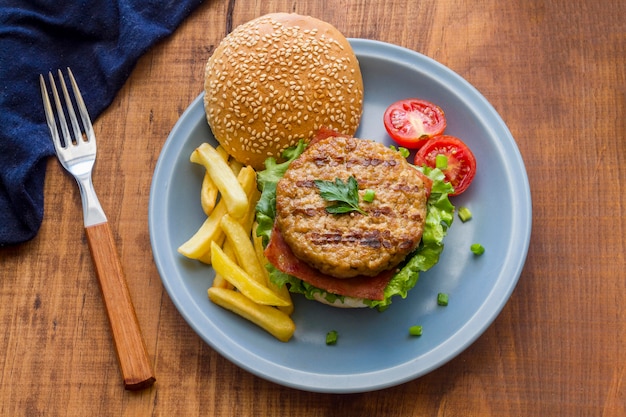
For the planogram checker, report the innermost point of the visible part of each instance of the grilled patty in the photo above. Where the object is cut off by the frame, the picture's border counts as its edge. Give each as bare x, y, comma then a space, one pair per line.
352, 244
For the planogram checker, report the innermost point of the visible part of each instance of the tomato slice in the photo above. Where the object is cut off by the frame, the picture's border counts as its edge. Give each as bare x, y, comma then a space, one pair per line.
411, 122
461, 164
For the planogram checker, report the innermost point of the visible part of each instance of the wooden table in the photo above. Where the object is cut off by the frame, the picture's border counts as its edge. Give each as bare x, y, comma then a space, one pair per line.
556, 73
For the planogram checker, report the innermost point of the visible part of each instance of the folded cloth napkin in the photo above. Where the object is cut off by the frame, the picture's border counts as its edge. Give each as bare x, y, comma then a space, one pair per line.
101, 40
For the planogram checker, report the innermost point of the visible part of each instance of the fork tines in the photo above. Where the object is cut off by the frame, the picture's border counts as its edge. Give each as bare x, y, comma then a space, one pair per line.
77, 133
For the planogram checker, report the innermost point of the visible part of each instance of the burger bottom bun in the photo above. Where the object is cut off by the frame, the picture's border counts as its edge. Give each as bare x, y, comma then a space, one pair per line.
347, 302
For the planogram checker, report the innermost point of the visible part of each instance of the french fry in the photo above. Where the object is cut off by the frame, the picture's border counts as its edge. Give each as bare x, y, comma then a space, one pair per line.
235, 165
253, 196
199, 245
208, 194
224, 178
242, 245
248, 177
223, 152
219, 280
209, 191
234, 274
282, 292
274, 321
249, 218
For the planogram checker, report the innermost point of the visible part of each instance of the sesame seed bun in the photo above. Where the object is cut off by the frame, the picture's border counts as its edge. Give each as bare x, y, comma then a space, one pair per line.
278, 79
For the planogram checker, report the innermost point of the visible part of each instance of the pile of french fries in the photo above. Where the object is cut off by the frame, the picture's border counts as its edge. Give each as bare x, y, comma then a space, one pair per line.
227, 240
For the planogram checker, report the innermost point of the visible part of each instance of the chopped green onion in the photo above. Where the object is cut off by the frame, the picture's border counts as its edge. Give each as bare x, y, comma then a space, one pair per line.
415, 330
477, 249
442, 299
369, 196
464, 214
441, 162
403, 151
331, 337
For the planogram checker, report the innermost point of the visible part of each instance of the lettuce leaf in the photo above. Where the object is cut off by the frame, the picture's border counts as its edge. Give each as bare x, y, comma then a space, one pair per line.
267, 180
440, 213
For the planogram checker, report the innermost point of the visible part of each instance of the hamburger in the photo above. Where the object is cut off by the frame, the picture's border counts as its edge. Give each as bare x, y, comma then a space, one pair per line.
276, 80
284, 94
360, 257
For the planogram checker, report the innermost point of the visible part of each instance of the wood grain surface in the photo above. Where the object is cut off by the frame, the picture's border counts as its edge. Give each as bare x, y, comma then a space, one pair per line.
554, 70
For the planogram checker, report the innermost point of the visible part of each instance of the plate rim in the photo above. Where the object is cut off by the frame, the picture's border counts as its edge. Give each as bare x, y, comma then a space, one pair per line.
387, 377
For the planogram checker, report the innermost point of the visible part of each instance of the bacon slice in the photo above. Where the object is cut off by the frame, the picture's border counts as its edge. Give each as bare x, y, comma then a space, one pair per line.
325, 132
281, 256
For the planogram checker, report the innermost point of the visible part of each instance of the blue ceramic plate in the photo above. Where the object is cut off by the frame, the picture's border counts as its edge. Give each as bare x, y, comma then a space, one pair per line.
374, 350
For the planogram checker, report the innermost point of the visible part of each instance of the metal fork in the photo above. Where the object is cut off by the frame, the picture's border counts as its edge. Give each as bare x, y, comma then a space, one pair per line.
77, 153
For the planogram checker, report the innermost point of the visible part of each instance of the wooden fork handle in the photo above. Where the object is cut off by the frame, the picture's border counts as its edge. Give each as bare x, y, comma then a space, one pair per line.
129, 343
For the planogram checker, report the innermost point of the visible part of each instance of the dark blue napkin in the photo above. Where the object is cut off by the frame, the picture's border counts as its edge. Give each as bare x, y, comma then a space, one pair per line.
101, 40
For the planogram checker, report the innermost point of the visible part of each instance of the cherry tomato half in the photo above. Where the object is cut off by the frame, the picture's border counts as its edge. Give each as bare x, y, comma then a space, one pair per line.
461, 163
411, 122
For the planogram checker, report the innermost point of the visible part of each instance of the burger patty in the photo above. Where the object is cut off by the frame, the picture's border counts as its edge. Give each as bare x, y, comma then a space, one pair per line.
352, 244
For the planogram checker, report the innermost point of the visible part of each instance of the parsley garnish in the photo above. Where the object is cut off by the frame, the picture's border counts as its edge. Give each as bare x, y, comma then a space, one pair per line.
344, 194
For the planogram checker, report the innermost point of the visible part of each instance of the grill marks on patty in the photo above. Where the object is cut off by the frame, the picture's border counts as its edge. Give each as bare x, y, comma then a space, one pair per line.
352, 244
375, 239
351, 161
